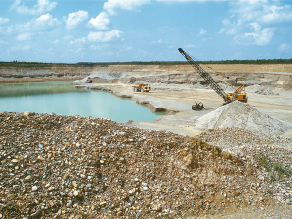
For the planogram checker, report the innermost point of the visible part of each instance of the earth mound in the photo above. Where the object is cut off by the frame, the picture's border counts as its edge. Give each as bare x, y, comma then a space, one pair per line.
70, 166
242, 115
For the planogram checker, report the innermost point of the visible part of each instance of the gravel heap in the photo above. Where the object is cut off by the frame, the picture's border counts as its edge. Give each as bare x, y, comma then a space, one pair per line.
74, 167
250, 146
231, 137
242, 115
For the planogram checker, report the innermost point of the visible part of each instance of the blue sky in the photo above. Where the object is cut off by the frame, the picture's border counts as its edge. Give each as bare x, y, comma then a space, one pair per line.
71, 31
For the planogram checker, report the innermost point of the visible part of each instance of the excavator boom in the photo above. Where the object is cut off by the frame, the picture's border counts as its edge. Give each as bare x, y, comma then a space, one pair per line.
228, 98
205, 75
239, 89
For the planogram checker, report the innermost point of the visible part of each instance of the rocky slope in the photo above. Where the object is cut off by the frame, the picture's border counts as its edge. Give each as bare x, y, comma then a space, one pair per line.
226, 75
74, 167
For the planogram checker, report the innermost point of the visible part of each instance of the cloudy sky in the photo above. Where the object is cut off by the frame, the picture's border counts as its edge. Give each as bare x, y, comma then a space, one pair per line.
144, 30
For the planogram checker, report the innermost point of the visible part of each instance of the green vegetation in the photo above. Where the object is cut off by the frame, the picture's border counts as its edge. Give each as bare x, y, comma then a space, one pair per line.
32, 89
35, 65
273, 168
17, 65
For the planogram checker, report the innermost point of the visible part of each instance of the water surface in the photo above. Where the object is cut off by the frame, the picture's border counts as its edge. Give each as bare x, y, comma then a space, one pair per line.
63, 98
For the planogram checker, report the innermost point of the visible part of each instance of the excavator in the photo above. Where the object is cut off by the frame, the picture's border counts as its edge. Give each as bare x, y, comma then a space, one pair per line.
239, 94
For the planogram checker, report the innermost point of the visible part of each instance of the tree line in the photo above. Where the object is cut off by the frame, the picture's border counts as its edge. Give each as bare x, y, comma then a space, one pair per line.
17, 64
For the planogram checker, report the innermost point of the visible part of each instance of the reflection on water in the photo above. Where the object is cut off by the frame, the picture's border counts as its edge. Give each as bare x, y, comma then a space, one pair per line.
63, 98
34, 88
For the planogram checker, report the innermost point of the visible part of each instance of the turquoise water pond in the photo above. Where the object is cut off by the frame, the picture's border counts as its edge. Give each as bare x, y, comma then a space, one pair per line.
63, 99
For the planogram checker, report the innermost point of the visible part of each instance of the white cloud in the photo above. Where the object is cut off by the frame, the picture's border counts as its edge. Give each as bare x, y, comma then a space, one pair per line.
78, 51
202, 31
190, 46
258, 37
111, 5
4, 43
78, 42
98, 47
20, 47
68, 37
261, 15
256, 26
128, 48
4, 20
24, 37
274, 14
42, 23
226, 22
46, 20
158, 41
285, 48
41, 7
56, 41
192, 0
262, 11
100, 22
101, 36
75, 18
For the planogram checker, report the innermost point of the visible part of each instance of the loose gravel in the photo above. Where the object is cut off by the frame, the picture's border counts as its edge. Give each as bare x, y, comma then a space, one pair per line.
56, 166
242, 115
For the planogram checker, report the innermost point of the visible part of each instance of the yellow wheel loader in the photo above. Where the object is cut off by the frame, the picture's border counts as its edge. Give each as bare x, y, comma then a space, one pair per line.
141, 88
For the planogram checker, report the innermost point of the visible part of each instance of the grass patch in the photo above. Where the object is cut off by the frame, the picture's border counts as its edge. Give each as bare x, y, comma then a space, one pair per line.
273, 168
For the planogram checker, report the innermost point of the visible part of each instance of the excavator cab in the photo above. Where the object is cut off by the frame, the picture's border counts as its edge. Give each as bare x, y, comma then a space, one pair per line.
239, 97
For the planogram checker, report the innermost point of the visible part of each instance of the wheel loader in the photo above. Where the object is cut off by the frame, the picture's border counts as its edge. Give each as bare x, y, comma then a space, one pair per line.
141, 88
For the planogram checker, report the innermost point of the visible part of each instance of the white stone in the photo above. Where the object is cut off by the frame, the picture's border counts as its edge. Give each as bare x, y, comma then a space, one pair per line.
75, 193
14, 161
69, 203
34, 188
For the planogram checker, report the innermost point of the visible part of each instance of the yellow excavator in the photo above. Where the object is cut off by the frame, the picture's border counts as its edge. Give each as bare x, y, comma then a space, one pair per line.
239, 94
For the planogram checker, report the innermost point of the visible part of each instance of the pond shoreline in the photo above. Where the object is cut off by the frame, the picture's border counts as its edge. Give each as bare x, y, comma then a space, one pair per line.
61, 97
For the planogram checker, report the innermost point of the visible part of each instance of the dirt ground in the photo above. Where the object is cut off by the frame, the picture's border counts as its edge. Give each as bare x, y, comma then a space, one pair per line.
177, 101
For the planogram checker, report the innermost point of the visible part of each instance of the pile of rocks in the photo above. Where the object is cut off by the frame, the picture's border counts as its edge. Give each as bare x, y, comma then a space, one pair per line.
242, 115
249, 146
76, 167
233, 136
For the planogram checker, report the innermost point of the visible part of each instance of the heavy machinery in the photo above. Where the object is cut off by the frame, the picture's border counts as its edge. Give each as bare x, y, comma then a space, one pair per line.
141, 88
198, 106
89, 80
229, 97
